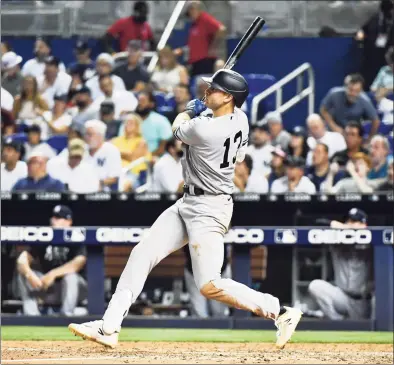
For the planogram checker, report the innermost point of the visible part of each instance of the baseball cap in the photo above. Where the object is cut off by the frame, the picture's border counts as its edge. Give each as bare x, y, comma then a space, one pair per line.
357, 215
295, 161
81, 45
10, 59
105, 57
76, 147
279, 152
298, 131
260, 124
273, 117
62, 211
9, 142
82, 90
134, 44
52, 61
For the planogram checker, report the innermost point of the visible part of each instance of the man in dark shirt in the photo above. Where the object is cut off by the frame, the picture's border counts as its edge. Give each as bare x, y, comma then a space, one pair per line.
84, 66
133, 73
107, 115
59, 279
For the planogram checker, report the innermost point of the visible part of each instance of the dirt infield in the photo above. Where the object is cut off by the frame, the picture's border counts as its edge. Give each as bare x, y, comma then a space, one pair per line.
79, 352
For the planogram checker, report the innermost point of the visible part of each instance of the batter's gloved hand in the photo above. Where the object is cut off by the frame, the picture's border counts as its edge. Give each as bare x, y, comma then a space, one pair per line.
195, 107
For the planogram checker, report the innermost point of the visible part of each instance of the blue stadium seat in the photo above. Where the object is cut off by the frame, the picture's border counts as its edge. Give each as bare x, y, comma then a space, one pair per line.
20, 137
59, 142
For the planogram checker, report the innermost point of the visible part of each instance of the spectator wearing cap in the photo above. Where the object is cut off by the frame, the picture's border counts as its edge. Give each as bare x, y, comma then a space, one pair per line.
38, 178
123, 100
358, 182
107, 115
29, 105
53, 82
36, 66
103, 156
133, 72
167, 171
11, 79
354, 133
279, 136
58, 277
318, 133
182, 97
349, 295
77, 175
294, 181
74, 132
84, 66
349, 103
260, 150
205, 35
277, 165
246, 180
134, 27
12, 169
35, 144
85, 109
169, 73
104, 66
298, 145
388, 184
383, 83
379, 149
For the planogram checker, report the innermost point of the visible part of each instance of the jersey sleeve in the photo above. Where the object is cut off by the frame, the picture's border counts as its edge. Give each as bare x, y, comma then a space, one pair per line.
189, 132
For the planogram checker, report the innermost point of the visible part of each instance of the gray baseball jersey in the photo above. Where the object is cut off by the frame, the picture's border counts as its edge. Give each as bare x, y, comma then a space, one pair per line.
211, 149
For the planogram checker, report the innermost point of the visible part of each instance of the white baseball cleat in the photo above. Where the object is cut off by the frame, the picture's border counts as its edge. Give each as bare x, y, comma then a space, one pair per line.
93, 331
286, 324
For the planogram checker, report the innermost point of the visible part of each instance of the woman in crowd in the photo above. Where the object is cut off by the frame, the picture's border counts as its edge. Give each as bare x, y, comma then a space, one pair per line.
169, 73
298, 146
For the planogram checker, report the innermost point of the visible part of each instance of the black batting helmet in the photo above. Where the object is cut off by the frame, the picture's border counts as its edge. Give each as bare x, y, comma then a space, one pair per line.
230, 82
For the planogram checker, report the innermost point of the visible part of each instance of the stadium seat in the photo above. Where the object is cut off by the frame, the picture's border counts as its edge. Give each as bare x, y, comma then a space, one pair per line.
58, 142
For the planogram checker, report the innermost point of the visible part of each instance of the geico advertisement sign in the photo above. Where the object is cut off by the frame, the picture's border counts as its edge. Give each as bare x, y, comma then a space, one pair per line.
27, 234
244, 235
132, 235
345, 236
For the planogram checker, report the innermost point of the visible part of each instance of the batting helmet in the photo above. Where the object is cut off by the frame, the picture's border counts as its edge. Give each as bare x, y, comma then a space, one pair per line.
230, 82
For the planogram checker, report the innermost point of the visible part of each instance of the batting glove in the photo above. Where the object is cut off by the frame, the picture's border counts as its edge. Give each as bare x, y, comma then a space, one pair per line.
195, 107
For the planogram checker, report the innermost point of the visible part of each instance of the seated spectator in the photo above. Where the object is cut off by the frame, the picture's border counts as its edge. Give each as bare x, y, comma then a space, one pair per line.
261, 149
354, 133
247, 180
383, 84
74, 132
277, 165
77, 175
107, 115
12, 169
133, 72
59, 278
53, 82
318, 133
59, 119
11, 79
29, 105
38, 178
182, 97
349, 103
379, 149
167, 171
294, 181
85, 108
35, 67
169, 73
123, 100
131, 147
358, 182
104, 66
134, 27
279, 137
84, 66
104, 156
76, 84
298, 145
388, 184
35, 144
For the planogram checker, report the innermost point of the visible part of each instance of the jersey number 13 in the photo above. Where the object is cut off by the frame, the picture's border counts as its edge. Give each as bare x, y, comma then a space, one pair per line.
226, 145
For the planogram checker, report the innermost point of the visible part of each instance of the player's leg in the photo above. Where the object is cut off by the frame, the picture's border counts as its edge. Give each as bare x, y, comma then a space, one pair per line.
28, 295
69, 293
198, 303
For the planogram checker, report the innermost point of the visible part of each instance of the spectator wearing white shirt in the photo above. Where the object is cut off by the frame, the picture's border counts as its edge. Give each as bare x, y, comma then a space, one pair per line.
318, 133
7, 100
167, 172
53, 82
261, 149
77, 175
248, 180
104, 66
279, 136
36, 66
104, 156
294, 181
35, 145
124, 101
7, 118
11, 168
85, 108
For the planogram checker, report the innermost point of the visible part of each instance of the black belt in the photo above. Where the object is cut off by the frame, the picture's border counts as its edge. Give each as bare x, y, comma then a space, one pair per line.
366, 296
197, 191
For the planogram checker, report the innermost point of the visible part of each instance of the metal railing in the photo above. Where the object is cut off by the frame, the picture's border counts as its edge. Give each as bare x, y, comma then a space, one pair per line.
277, 88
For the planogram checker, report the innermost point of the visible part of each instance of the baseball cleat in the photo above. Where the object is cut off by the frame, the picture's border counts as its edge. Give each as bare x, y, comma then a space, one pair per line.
286, 324
93, 331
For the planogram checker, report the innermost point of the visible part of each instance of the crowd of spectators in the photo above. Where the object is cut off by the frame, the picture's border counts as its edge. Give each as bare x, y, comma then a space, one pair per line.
97, 125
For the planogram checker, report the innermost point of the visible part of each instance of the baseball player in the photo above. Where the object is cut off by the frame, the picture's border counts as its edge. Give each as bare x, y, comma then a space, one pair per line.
212, 146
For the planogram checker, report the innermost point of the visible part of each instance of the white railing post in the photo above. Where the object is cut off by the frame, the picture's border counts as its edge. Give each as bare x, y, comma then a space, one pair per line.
277, 88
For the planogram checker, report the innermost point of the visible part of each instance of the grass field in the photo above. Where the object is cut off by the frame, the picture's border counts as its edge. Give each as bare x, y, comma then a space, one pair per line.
22, 333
